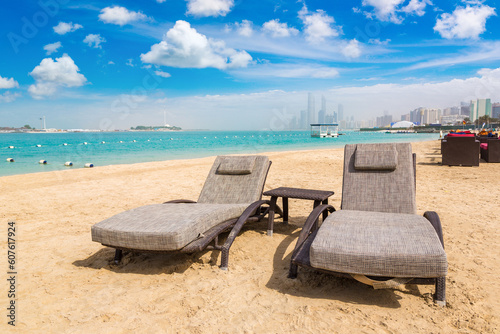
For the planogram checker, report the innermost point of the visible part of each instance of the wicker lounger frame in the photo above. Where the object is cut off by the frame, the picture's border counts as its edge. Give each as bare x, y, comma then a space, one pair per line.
300, 255
255, 212
301, 252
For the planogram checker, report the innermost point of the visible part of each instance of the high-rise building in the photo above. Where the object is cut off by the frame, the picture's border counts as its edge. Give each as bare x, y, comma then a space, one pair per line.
384, 121
479, 108
495, 110
465, 109
340, 113
415, 116
303, 120
323, 103
431, 116
321, 116
310, 108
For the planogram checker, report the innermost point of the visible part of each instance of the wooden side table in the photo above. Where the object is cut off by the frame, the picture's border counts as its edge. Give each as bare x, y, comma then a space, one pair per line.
318, 196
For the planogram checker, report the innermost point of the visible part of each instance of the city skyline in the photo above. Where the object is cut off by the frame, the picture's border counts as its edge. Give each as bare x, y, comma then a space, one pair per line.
221, 64
423, 115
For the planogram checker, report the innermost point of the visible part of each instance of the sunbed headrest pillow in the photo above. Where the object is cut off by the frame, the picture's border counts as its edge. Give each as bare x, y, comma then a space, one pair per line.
236, 165
370, 159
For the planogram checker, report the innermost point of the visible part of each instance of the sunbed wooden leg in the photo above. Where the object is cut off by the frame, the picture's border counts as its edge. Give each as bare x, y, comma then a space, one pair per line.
272, 209
440, 296
292, 273
325, 213
285, 209
224, 259
118, 256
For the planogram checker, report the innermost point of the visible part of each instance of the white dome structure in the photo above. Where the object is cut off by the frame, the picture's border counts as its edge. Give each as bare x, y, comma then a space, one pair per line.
403, 124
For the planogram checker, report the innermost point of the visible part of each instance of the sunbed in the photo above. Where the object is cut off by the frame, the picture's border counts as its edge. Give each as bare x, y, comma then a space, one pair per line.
230, 197
376, 237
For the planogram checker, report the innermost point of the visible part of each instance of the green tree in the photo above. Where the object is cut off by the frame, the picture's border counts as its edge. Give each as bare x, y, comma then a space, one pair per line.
483, 120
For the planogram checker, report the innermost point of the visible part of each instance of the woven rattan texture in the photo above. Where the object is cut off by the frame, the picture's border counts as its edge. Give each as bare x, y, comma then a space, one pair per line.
163, 227
381, 244
379, 190
317, 195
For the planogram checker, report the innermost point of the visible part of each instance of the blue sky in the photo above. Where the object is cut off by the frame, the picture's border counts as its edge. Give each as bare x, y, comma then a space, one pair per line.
239, 64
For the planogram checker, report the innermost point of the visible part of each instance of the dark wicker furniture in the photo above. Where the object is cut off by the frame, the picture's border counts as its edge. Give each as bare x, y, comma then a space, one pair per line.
491, 153
377, 238
460, 151
318, 196
178, 225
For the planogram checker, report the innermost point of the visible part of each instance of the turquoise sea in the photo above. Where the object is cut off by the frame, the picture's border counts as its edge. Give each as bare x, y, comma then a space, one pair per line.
110, 148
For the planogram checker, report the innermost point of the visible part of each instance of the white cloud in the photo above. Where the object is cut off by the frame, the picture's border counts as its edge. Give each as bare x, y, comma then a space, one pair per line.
94, 41
403, 98
51, 48
291, 71
385, 10
120, 15
278, 29
257, 110
244, 28
377, 41
161, 1
317, 25
8, 83
468, 22
63, 27
130, 62
416, 7
50, 75
274, 109
8, 97
392, 10
184, 47
162, 74
352, 49
486, 52
209, 7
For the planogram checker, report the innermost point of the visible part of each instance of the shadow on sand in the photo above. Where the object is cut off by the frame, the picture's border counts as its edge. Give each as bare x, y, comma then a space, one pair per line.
154, 263
313, 284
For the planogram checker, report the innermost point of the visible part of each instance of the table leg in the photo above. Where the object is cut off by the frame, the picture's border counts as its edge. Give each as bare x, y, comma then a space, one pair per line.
325, 213
316, 203
272, 208
285, 209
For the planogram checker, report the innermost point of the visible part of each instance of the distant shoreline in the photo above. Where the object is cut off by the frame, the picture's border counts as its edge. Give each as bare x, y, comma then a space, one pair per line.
122, 148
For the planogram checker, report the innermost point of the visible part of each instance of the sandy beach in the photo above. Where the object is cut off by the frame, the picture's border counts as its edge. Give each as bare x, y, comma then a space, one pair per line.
68, 284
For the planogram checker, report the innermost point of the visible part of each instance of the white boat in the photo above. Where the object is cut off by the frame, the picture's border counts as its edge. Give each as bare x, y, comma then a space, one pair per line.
325, 130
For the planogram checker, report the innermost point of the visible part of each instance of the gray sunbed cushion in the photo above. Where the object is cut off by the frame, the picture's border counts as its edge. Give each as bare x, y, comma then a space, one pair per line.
379, 159
226, 188
378, 244
236, 165
163, 227
379, 190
